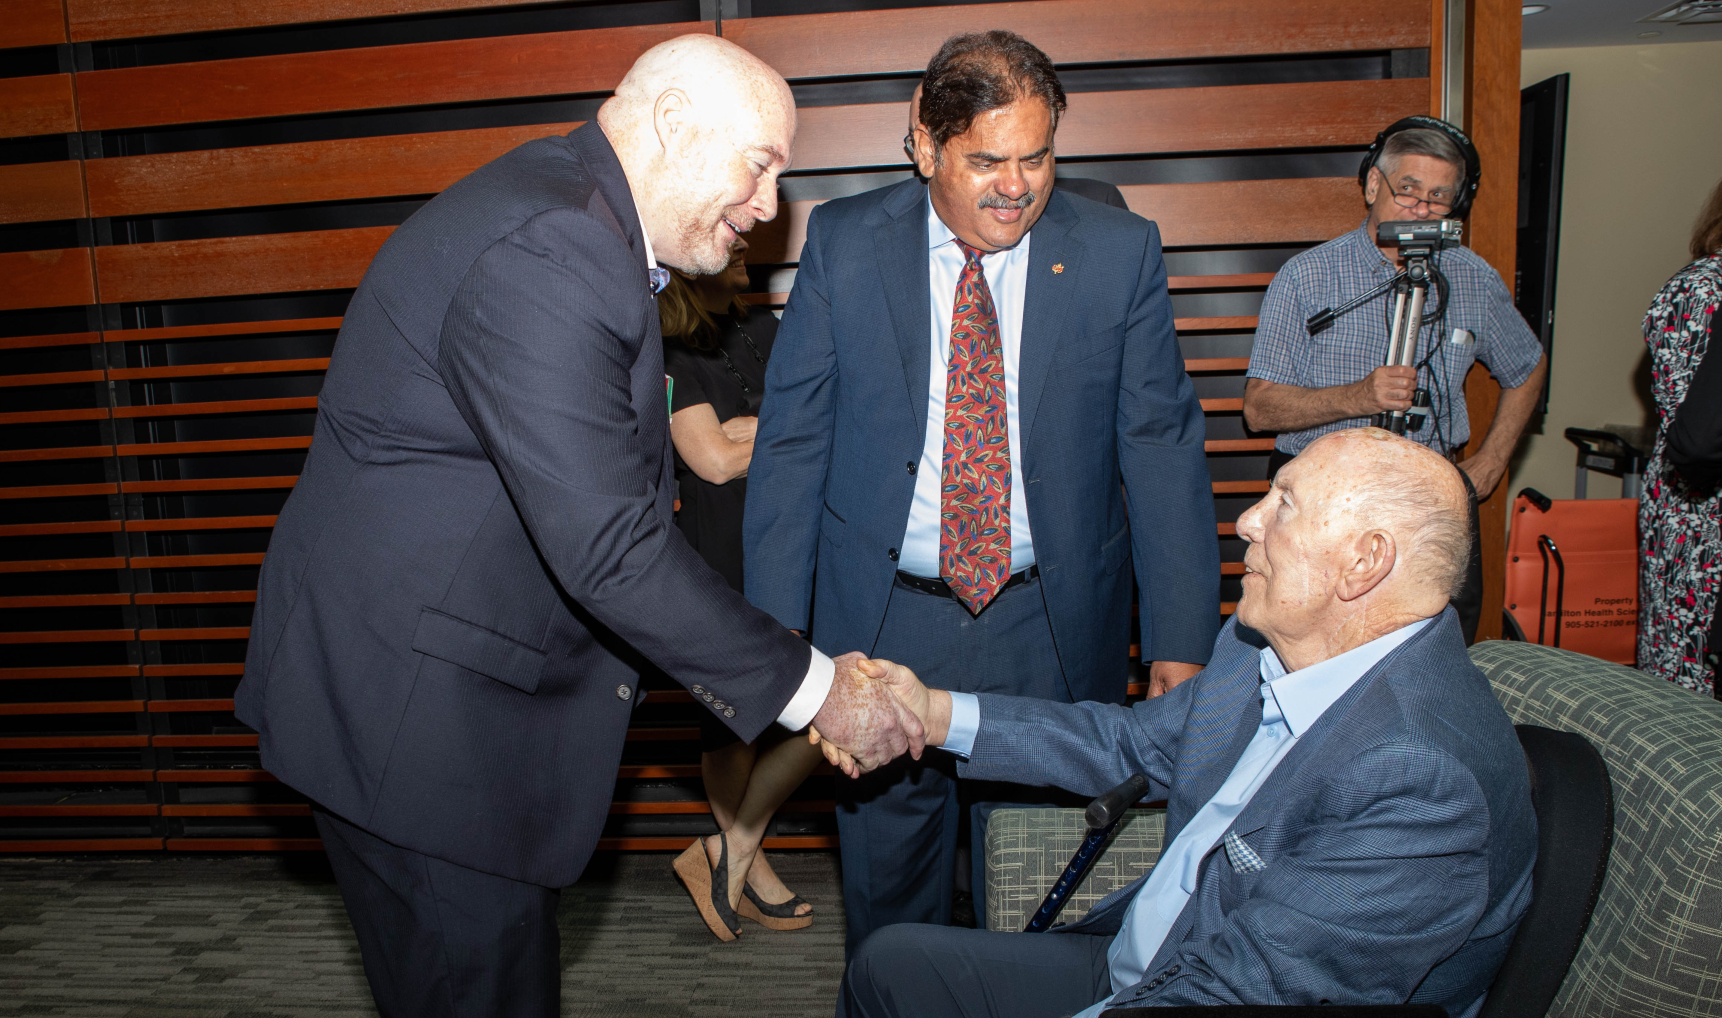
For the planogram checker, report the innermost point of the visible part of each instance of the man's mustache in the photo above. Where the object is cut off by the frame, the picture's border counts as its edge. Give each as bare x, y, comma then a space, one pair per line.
994, 200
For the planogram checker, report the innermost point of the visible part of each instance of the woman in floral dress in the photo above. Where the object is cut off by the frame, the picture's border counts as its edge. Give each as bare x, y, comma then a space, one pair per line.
1681, 551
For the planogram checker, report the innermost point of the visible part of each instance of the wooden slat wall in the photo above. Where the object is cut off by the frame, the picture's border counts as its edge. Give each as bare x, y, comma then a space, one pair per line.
160, 359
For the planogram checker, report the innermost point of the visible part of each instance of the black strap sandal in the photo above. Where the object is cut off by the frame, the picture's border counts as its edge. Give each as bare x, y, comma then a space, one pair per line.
709, 886
773, 917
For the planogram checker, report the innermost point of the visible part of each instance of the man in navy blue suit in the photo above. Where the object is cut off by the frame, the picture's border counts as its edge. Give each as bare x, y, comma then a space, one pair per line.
971, 376
480, 555
1348, 815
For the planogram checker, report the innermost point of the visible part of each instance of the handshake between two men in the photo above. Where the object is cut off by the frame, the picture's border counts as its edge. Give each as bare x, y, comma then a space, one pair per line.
1348, 813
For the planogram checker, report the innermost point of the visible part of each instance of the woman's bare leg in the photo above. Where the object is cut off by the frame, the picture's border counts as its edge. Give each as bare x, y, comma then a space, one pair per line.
777, 773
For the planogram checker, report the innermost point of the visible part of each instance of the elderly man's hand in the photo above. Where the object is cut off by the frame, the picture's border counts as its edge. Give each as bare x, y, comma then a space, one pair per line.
862, 725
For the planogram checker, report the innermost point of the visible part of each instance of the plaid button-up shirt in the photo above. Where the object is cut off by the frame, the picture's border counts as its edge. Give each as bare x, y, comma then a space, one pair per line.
1329, 275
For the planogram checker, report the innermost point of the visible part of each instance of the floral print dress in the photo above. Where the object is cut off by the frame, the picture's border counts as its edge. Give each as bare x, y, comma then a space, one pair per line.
1680, 550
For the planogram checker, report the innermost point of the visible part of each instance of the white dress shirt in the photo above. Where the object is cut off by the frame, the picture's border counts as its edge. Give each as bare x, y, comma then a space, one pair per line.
1006, 273
821, 672
1291, 703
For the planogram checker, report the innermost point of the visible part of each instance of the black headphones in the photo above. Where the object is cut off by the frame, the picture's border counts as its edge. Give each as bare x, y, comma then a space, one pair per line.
1473, 165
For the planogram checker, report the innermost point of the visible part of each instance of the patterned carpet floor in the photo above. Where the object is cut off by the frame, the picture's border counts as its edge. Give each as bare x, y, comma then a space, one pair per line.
267, 937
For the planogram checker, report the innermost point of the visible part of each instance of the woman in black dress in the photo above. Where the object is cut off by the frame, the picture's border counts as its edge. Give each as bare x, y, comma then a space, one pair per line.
715, 354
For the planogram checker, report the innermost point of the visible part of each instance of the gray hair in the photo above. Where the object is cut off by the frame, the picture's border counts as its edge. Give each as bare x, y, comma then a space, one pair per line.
1436, 530
1420, 141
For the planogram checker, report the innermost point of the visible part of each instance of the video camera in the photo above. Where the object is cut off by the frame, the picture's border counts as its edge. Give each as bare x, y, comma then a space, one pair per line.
1430, 234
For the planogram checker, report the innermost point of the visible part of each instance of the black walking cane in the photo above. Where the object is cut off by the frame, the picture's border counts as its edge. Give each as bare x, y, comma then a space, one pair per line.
1103, 815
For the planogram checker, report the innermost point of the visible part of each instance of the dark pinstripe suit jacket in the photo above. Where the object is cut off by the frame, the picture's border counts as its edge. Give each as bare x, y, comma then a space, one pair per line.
1397, 836
480, 550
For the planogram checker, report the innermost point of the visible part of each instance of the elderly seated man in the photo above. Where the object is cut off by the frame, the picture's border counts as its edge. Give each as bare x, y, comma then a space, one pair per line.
1348, 812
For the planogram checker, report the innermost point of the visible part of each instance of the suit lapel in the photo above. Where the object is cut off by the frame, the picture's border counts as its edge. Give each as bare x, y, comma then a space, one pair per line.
901, 245
1046, 301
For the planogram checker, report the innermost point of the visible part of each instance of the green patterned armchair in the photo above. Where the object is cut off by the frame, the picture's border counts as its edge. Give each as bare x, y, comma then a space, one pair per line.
1654, 947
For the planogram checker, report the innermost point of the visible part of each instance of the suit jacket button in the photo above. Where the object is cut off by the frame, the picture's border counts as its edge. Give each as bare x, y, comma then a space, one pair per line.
911, 467
718, 705
707, 697
696, 690
729, 712
891, 554
624, 693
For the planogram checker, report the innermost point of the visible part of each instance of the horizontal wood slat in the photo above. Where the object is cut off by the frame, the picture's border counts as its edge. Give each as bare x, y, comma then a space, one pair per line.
50, 377
1226, 213
63, 339
82, 845
73, 741
207, 484
200, 523
77, 777
220, 445
71, 672
45, 279
67, 636
174, 706
221, 777
131, 19
413, 74
170, 671
68, 452
1080, 32
55, 416
32, 192
35, 529
227, 266
216, 370
207, 633
202, 597
222, 331
103, 810
32, 23
75, 707
70, 601
344, 169
62, 565
1198, 364
197, 561
39, 104
204, 742
230, 406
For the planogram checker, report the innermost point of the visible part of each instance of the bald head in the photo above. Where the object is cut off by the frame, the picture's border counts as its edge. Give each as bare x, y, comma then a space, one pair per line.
702, 128
1361, 534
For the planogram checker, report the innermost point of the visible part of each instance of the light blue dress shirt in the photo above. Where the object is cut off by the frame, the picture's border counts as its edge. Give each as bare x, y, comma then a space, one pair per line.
1007, 277
1291, 703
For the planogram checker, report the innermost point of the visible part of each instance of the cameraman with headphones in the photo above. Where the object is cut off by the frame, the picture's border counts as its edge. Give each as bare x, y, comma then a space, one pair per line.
1305, 386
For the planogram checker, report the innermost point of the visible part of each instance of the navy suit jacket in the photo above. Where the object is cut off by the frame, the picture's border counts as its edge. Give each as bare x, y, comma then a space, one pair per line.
1396, 839
1103, 400
480, 551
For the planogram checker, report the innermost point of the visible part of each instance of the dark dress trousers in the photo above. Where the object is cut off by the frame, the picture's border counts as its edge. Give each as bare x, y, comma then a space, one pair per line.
1103, 403
480, 553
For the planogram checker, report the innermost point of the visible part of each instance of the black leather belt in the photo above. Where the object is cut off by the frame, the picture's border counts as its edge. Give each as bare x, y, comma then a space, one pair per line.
939, 588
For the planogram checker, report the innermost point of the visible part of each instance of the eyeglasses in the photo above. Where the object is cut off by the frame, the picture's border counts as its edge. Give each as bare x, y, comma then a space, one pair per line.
1438, 201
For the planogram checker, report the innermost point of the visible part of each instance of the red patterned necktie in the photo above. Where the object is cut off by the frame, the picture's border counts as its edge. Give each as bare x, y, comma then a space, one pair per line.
974, 486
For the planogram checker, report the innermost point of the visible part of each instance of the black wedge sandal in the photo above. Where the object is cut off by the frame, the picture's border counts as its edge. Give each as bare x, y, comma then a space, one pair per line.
709, 886
773, 917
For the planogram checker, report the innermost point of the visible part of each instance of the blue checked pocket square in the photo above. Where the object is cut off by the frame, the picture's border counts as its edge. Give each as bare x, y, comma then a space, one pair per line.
1242, 857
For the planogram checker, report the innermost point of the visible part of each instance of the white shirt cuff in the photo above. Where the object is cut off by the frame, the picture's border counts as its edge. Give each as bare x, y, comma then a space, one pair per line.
965, 722
821, 672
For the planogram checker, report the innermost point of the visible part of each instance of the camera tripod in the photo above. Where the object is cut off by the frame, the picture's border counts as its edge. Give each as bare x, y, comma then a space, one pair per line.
1410, 288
